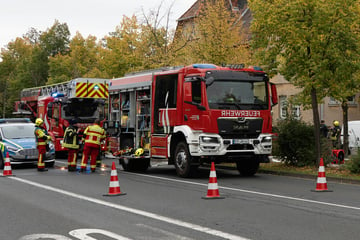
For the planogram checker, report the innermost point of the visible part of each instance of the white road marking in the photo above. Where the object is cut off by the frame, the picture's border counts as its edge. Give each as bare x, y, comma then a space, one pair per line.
253, 192
169, 235
44, 236
136, 211
83, 234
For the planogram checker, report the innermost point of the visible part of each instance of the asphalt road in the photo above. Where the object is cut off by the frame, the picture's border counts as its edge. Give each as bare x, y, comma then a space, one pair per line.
159, 205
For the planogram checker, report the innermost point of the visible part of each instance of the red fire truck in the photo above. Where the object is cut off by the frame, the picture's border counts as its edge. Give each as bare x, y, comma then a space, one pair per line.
83, 99
191, 115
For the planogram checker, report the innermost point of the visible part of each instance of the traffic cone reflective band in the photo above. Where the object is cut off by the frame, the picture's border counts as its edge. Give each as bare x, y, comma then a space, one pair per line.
213, 190
321, 185
7, 166
114, 188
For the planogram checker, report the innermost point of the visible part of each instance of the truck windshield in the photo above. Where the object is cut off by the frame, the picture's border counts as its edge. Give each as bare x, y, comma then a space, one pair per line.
237, 95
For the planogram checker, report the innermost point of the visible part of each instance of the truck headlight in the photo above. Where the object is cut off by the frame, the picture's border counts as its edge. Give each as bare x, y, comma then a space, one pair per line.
266, 139
207, 139
12, 149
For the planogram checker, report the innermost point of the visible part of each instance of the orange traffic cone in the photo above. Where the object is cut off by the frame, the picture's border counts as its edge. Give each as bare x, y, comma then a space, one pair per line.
321, 185
114, 188
7, 166
213, 190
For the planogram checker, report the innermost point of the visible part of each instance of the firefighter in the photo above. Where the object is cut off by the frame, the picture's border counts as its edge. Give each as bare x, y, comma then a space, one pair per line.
335, 134
42, 138
71, 142
93, 135
98, 159
324, 131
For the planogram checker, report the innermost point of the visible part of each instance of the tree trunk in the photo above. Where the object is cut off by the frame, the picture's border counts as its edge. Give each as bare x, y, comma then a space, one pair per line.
316, 119
345, 108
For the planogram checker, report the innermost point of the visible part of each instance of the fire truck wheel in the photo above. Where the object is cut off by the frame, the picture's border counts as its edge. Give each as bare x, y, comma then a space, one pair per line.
182, 160
127, 164
142, 165
248, 167
1, 161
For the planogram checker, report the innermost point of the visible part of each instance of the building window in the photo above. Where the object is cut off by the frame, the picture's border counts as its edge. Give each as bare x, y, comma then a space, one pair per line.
283, 107
286, 107
351, 101
333, 101
296, 112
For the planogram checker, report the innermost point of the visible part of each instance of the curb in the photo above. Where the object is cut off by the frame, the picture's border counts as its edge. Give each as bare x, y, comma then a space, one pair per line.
299, 175
308, 176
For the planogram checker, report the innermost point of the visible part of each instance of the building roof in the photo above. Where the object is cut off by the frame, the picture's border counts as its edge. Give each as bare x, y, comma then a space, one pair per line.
239, 7
191, 12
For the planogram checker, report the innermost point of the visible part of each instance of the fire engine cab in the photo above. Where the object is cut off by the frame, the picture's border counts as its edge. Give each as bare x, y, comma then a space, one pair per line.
191, 115
82, 99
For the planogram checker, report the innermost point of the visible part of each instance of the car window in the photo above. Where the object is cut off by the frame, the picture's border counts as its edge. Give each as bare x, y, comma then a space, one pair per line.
18, 131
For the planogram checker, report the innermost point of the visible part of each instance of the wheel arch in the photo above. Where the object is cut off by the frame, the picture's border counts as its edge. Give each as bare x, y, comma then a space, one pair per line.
175, 139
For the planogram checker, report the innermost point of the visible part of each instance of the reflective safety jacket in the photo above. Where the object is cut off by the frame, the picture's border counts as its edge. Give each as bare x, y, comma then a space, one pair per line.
2, 147
71, 139
94, 135
41, 136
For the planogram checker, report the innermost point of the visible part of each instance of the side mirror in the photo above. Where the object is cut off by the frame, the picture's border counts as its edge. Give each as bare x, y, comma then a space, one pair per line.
274, 97
201, 107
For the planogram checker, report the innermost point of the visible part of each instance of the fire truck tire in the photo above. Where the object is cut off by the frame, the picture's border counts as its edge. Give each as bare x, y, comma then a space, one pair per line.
1, 161
248, 167
143, 165
182, 160
127, 164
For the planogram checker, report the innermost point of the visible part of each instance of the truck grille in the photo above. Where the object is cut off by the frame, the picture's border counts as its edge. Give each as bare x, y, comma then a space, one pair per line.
240, 147
232, 128
29, 152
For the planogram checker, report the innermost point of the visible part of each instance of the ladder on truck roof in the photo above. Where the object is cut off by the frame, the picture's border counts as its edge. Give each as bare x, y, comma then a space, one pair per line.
78, 88
45, 90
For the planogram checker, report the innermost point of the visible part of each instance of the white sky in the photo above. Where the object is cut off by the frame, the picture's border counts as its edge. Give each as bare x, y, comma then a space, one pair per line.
89, 17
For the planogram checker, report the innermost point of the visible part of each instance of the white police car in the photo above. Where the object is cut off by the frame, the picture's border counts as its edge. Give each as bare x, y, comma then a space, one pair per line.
17, 138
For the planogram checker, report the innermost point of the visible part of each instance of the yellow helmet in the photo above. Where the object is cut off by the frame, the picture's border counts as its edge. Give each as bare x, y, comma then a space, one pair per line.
38, 121
139, 152
336, 123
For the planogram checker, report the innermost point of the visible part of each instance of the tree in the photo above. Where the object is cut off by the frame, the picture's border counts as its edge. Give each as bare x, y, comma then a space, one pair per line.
313, 43
56, 39
217, 36
81, 61
16, 71
25, 61
121, 53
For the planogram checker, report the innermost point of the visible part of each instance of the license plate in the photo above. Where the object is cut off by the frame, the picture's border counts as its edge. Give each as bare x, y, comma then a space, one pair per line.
240, 141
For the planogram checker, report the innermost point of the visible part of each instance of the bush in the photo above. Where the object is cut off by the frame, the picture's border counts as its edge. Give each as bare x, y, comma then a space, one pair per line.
295, 144
354, 164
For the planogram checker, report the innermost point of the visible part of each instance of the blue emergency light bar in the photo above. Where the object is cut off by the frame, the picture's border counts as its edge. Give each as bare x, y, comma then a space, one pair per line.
57, 94
203, 66
15, 120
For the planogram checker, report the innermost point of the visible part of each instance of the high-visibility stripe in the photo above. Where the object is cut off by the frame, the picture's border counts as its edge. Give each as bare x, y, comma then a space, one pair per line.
113, 184
88, 90
41, 163
212, 186
321, 180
